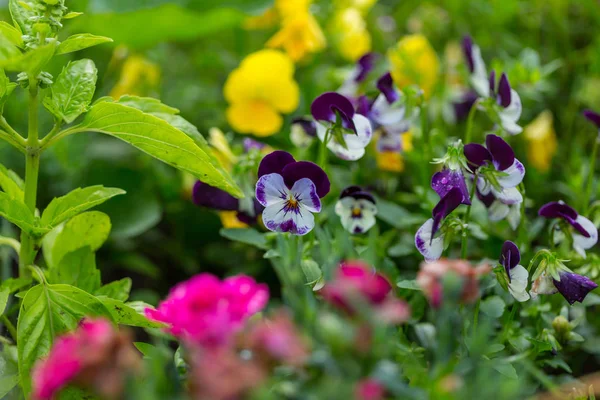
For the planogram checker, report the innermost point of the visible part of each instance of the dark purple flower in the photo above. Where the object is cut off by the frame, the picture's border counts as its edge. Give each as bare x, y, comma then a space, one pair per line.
510, 257
445, 206
574, 287
586, 233
385, 84
447, 179
328, 106
593, 117
363, 106
467, 47
307, 125
364, 65
207, 196
463, 106
504, 95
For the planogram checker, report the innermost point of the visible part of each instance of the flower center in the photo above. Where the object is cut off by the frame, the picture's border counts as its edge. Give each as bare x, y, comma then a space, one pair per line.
356, 212
292, 204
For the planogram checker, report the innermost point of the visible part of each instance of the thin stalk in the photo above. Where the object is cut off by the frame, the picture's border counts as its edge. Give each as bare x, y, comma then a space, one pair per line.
11, 140
476, 316
324, 151
470, 119
10, 242
590, 178
10, 131
10, 327
465, 229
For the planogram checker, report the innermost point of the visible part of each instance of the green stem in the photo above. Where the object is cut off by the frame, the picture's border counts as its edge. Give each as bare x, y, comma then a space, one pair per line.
470, 119
29, 245
465, 229
476, 316
324, 151
10, 242
590, 179
10, 327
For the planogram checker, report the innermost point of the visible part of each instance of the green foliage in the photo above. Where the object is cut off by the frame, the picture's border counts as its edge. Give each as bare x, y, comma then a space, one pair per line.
32, 62
123, 314
77, 268
17, 212
246, 235
79, 42
11, 183
11, 33
118, 290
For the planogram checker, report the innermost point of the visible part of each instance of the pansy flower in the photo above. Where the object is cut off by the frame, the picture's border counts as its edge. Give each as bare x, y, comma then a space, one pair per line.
447, 179
499, 171
516, 273
584, 233
498, 210
593, 117
573, 287
234, 213
291, 192
388, 110
345, 132
364, 65
303, 131
427, 242
476, 65
357, 209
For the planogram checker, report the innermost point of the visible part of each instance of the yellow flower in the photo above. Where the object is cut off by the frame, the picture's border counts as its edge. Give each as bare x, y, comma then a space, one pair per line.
393, 161
229, 220
542, 141
413, 61
139, 77
361, 5
221, 148
266, 20
259, 90
289, 8
350, 34
300, 35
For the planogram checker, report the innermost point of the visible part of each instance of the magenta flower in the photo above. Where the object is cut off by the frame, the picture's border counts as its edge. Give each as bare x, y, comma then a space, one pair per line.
290, 191
370, 389
207, 311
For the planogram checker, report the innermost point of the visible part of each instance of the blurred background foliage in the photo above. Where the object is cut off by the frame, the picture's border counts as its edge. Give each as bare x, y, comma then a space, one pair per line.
182, 52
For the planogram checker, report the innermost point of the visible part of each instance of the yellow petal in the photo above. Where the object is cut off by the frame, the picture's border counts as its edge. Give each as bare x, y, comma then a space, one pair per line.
255, 117
390, 161
542, 143
230, 221
299, 36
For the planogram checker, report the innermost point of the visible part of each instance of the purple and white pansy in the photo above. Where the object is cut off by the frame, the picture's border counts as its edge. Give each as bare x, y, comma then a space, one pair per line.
388, 111
497, 210
517, 274
291, 192
351, 86
357, 209
345, 132
584, 233
499, 172
428, 239
476, 65
303, 131
447, 179
573, 287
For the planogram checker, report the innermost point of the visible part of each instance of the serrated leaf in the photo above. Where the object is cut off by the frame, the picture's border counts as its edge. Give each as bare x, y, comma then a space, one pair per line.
47, 311
123, 314
31, 61
20, 15
75, 202
87, 229
73, 90
11, 33
118, 290
19, 214
77, 268
157, 138
11, 183
246, 235
81, 41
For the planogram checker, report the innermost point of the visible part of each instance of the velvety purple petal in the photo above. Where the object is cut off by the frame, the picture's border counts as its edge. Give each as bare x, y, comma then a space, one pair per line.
593, 117
365, 65
463, 106
492, 81
504, 94
207, 196
357, 193
306, 169
444, 181
385, 84
557, 209
350, 190
574, 287
510, 257
307, 125
363, 106
445, 206
476, 154
486, 199
274, 162
502, 154
324, 108
467, 47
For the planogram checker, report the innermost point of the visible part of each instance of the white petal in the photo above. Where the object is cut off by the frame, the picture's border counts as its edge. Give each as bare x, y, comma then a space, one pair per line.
511, 127
430, 249
514, 216
345, 154
515, 174
518, 283
321, 131
364, 133
385, 113
508, 196
305, 192
479, 78
544, 284
299, 137
498, 211
299, 222
343, 207
513, 111
352, 223
271, 189
349, 88
483, 186
582, 243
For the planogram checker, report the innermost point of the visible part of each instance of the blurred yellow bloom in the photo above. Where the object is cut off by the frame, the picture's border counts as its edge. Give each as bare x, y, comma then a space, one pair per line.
361, 5
266, 20
229, 220
139, 77
393, 161
221, 148
541, 139
413, 61
259, 90
350, 34
289, 8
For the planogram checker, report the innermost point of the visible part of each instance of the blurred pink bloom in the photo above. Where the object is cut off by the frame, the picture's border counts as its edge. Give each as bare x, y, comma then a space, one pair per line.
369, 389
207, 311
430, 279
356, 281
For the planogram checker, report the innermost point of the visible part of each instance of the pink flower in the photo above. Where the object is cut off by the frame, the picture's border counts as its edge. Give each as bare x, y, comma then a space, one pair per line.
60, 367
356, 281
207, 311
369, 389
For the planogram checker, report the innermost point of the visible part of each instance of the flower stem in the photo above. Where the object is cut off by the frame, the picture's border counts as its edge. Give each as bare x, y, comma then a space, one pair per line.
10, 327
470, 119
590, 178
29, 245
323, 151
465, 229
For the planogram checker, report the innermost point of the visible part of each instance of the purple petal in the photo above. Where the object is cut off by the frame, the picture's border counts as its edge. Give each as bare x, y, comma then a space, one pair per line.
476, 154
593, 117
363, 106
250, 144
324, 108
504, 91
501, 152
385, 84
557, 209
510, 257
306, 169
274, 162
574, 287
365, 65
307, 125
492, 82
357, 193
444, 181
445, 206
207, 196
487, 199
463, 106
467, 46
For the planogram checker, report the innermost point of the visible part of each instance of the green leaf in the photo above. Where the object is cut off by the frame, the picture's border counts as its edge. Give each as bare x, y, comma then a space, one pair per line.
11, 33
87, 229
505, 369
11, 183
396, 216
409, 284
146, 104
31, 61
144, 348
4, 293
73, 90
75, 202
493, 306
17, 212
77, 268
47, 311
118, 290
123, 314
80, 41
72, 14
157, 138
246, 235
7, 383
20, 16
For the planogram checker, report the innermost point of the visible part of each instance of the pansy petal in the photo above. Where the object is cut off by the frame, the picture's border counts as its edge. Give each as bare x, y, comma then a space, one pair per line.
467, 47
476, 154
365, 65
298, 222
557, 209
384, 113
504, 91
274, 162
345, 153
445, 206
593, 117
324, 108
364, 133
498, 211
431, 249
514, 216
385, 84
510, 255
518, 283
514, 175
584, 242
305, 192
543, 285
514, 109
306, 169
502, 154
271, 189
443, 181
508, 196
389, 142
207, 196
574, 287
510, 126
